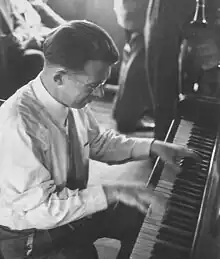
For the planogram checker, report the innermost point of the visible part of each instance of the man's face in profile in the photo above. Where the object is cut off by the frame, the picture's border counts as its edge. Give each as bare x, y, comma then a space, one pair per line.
80, 88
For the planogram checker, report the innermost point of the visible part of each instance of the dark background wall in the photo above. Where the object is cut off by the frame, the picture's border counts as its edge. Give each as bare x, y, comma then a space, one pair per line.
99, 11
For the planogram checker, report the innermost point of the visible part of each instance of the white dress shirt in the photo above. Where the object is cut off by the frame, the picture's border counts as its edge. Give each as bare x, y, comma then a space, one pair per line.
34, 159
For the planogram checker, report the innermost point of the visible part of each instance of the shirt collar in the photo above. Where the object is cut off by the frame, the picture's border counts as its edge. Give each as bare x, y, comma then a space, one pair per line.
57, 110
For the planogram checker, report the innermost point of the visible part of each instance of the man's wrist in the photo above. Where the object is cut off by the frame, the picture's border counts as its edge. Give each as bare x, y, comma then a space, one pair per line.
154, 147
141, 148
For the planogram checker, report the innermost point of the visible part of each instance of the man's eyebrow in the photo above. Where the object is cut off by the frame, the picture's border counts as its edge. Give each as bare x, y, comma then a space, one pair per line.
94, 83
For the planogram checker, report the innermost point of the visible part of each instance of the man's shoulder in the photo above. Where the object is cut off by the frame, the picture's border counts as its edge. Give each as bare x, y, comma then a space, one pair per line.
26, 102
32, 117
25, 107
21, 115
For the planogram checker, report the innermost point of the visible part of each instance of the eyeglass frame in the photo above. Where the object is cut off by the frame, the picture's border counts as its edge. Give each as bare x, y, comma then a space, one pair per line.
97, 85
92, 88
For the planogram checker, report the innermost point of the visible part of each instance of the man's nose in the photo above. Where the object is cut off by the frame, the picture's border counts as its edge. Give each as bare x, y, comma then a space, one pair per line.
99, 92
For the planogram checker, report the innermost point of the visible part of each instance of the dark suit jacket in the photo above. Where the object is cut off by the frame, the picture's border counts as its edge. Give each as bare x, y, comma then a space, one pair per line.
163, 30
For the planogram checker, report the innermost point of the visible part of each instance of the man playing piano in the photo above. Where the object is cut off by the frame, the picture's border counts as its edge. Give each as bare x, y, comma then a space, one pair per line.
47, 135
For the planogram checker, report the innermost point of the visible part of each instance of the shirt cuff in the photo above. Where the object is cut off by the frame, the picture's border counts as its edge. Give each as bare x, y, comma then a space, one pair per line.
141, 148
95, 199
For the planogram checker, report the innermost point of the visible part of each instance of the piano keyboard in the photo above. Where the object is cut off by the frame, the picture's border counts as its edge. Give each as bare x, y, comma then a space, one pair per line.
171, 233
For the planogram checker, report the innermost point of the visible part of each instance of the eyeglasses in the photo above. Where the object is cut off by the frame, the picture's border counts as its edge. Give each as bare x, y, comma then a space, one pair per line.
94, 86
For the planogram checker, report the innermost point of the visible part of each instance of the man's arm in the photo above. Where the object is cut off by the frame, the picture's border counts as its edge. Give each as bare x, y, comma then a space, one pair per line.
48, 16
107, 146
113, 148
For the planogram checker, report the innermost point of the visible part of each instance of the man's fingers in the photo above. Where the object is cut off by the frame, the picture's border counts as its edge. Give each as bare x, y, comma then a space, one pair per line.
193, 153
143, 208
173, 168
149, 211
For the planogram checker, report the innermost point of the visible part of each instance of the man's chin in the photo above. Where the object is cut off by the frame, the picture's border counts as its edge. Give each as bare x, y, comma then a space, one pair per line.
83, 103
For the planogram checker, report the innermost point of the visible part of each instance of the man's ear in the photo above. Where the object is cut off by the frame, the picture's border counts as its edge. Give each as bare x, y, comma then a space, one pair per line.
58, 77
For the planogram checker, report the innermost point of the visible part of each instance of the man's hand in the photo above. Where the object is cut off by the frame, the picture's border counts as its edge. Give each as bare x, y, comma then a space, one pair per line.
172, 153
135, 195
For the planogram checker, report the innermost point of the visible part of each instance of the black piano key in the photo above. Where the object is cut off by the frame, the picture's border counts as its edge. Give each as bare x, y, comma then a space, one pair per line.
192, 177
201, 171
205, 129
202, 150
178, 224
201, 139
183, 204
191, 173
189, 189
188, 184
168, 249
201, 174
206, 134
174, 220
186, 224
187, 164
176, 228
173, 238
186, 195
200, 147
181, 237
206, 143
182, 199
186, 217
198, 187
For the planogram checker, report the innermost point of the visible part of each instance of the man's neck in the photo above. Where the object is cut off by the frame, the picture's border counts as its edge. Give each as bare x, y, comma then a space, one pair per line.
48, 85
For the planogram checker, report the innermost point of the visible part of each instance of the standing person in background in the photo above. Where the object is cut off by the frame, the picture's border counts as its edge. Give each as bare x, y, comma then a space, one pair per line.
131, 16
47, 136
164, 25
133, 110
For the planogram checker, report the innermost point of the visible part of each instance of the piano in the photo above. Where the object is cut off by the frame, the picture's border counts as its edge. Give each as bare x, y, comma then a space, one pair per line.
189, 226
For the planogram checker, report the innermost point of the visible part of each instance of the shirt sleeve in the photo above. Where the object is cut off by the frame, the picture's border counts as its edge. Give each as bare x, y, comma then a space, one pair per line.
113, 148
30, 193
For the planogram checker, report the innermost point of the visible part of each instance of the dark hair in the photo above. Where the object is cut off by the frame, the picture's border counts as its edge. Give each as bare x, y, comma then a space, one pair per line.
71, 45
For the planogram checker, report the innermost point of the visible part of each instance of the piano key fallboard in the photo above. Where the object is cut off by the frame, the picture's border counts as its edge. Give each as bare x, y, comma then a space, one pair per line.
175, 233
